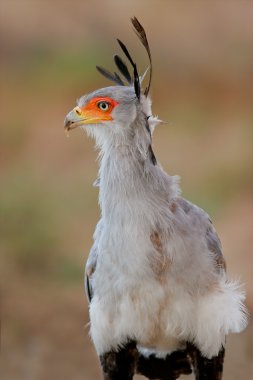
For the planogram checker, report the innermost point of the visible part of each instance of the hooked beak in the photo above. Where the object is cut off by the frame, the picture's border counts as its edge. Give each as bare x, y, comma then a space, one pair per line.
90, 114
75, 118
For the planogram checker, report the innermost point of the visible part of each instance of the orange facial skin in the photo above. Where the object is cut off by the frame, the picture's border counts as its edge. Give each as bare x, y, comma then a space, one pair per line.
92, 111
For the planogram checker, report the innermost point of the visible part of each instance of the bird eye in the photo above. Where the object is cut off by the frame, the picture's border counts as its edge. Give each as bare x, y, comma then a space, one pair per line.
104, 106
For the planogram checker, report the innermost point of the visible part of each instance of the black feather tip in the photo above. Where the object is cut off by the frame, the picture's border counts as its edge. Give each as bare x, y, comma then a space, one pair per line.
123, 68
141, 34
113, 77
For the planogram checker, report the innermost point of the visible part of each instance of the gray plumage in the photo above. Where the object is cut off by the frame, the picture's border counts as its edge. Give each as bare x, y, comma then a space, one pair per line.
155, 274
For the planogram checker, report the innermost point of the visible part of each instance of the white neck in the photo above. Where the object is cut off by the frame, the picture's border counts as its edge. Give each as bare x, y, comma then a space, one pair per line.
133, 188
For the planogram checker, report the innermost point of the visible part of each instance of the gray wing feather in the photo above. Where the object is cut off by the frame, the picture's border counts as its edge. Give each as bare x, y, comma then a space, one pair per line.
88, 289
89, 270
214, 246
92, 262
212, 240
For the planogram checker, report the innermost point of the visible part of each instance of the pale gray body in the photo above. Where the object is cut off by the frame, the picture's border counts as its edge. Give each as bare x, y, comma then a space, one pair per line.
155, 273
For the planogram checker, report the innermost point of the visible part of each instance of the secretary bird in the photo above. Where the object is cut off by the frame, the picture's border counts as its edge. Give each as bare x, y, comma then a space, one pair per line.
160, 300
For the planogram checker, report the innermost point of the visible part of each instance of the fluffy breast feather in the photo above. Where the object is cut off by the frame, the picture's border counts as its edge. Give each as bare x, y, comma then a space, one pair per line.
161, 281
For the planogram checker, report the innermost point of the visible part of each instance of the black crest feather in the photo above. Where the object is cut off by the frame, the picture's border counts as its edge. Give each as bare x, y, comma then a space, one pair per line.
126, 52
123, 68
115, 78
120, 81
141, 34
137, 86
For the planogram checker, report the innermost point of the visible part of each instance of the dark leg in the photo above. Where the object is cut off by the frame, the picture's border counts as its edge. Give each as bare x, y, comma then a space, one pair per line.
123, 364
207, 369
120, 365
169, 368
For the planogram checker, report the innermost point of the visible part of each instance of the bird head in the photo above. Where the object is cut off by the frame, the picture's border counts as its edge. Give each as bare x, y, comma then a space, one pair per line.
120, 111
107, 111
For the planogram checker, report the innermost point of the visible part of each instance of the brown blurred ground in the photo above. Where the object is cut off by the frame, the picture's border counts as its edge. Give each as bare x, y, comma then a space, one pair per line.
203, 85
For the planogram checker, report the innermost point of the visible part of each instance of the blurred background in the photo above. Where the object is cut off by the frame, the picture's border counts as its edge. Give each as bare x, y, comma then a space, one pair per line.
203, 86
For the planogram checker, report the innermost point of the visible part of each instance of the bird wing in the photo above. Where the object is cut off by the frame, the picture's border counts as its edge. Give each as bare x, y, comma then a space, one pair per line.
91, 262
89, 270
211, 237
